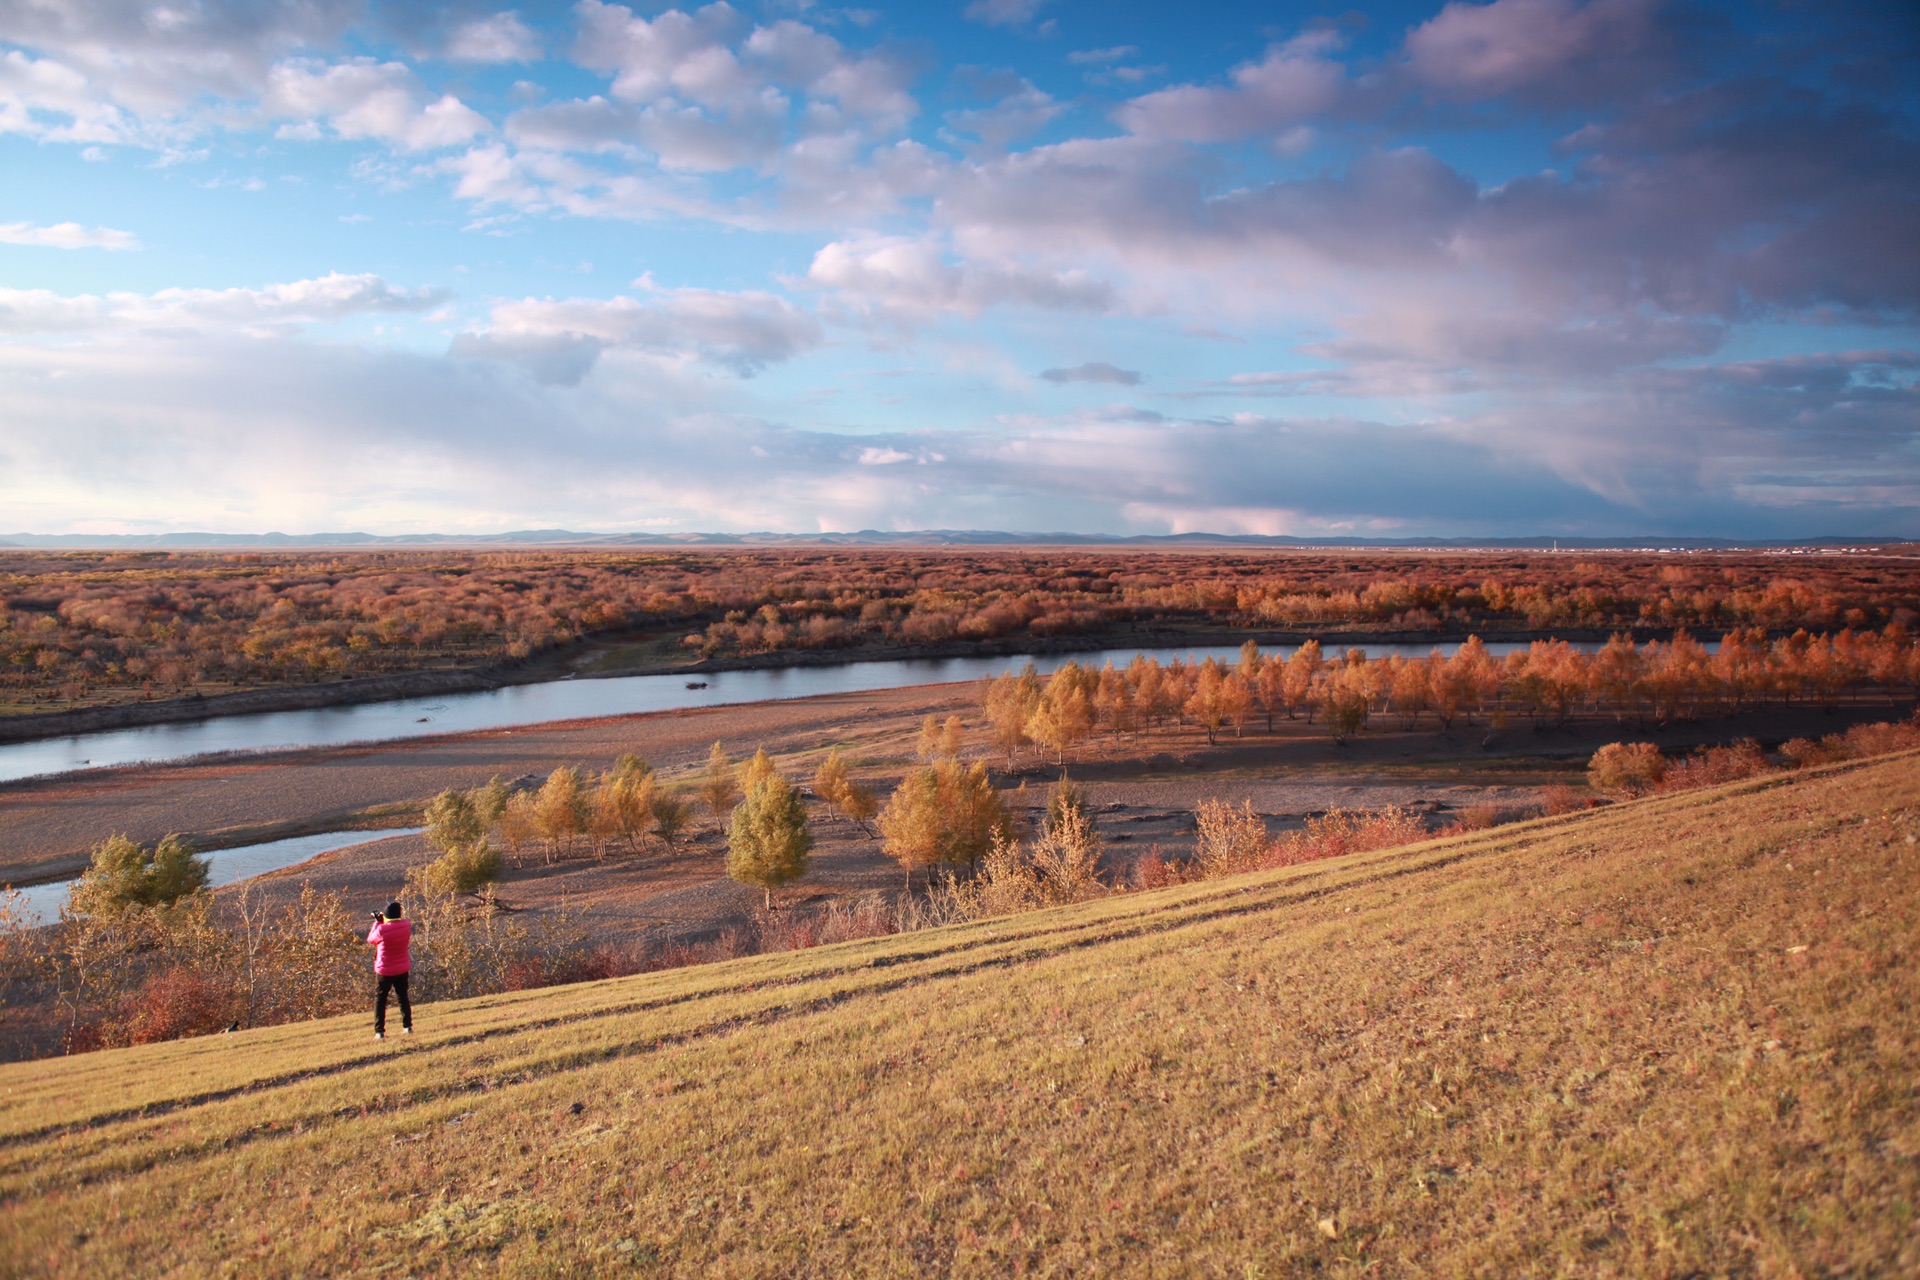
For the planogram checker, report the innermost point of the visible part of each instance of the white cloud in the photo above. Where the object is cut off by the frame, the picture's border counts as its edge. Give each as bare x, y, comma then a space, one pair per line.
501, 38
103, 71
1095, 57
1476, 50
39, 311
677, 53
1295, 82
902, 278
274, 307
1094, 371
276, 432
365, 98
67, 235
1017, 115
559, 338
1004, 13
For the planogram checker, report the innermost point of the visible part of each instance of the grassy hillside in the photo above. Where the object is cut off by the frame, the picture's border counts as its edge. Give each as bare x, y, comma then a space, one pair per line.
1676, 1037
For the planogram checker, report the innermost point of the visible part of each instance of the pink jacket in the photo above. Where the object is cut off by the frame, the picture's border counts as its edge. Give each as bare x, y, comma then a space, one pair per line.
389, 940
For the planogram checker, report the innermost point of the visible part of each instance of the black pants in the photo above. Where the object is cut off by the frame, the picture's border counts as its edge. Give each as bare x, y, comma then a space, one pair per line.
396, 983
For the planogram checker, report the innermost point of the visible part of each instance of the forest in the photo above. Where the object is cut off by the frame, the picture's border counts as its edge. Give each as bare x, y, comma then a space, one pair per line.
81, 628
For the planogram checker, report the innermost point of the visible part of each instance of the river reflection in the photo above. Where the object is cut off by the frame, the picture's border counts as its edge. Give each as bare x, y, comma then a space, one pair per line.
568, 699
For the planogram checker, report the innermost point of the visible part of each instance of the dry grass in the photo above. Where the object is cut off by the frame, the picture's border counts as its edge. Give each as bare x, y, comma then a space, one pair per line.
1668, 1038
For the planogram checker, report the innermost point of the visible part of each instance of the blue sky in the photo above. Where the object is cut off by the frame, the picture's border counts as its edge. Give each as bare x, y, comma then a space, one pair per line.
1624, 267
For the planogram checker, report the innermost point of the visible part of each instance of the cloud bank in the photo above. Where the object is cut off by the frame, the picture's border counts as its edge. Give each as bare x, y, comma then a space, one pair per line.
1620, 266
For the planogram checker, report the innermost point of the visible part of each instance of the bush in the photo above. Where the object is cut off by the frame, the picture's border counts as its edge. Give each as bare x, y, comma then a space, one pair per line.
1626, 768
1561, 798
177, 1002
1231, 840
125, 875
593, 964
1478, 817
1711, 766
462, 870
870, 917
1155, 870
1064, 801
791, 931
1343, 831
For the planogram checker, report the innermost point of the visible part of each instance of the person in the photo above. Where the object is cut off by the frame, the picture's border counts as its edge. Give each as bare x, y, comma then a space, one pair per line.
389, 938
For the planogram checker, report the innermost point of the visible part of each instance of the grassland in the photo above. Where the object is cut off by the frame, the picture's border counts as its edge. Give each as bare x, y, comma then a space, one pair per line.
1669, 1038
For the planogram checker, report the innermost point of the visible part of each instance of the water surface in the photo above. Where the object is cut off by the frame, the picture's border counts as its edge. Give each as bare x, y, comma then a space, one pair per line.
230, 865
569, 699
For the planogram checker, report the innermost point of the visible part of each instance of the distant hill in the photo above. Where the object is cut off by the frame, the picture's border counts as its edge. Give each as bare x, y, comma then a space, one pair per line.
1671, 1037
877, 538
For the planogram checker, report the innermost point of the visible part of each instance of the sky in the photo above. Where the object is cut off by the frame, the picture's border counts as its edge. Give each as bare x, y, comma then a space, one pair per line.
1619, 268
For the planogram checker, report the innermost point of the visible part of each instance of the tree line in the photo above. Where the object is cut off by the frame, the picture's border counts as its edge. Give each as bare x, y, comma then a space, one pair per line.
87, 628
1547, 682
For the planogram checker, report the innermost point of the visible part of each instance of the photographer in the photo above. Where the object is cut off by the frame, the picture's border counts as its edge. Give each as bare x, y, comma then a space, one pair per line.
389, 938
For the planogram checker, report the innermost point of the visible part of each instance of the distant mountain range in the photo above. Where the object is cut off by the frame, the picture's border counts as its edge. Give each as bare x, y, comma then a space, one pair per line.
877, 538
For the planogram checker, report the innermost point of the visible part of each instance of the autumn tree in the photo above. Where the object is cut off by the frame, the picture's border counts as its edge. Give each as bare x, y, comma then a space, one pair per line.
454, 822
625, 803
1009, 702
1304, 666
940, 741
560, 810
768, 843
1473, 678
1065, 712
946, 813
1411, 688
1207, 704
124, 874
757, 769
719, 787
457, 827
835, 785
912, 825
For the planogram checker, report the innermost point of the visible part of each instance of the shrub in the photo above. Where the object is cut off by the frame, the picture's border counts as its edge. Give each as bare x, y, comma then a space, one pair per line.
1342, 831
870, 917
1711, 766
1626, 768
124, 874
1876, 739
1066, 857
1065, 801
792, 931
1231, 840
177, 1002
1154, 870
1478, 817
464, 869
1561, 798
592, 964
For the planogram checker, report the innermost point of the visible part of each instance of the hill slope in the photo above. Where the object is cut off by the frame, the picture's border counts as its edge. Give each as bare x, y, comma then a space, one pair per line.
1668, 1038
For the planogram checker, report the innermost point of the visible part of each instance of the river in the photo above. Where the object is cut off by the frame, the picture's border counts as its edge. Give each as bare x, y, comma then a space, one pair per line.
569, 699
229, 865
